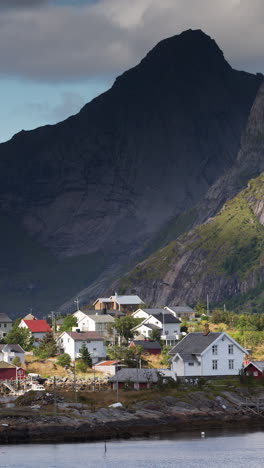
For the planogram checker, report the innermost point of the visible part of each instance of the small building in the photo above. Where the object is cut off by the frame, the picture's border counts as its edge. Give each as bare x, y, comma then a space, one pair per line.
207, 354
168, 325
127, 304
5, 325
10, 372
59, 324
150, 346
95, 322
38, 328
8, 352
107, 367
139, 378
254, 369
182, 312
71, 343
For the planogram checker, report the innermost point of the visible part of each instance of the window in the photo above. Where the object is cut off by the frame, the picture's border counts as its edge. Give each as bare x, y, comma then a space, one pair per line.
94, 349
214, 364
190, 363
231, 364
5, 325
214, 349
255, 373
230, 349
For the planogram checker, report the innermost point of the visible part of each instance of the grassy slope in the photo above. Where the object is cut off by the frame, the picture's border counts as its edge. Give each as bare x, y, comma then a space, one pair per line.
232, 244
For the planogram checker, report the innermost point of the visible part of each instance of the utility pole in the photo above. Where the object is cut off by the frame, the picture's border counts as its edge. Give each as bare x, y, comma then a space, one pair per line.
77, 303
207, 300
55, 396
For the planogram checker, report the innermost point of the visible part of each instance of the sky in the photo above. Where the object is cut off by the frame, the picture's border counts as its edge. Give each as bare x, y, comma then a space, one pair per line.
56, 55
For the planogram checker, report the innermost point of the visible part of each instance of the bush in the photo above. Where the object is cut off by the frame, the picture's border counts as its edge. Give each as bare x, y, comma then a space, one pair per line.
64, 360
16, 362
81, 366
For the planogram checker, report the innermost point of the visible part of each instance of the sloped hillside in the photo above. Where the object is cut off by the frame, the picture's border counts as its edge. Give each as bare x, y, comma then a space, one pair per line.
223, 258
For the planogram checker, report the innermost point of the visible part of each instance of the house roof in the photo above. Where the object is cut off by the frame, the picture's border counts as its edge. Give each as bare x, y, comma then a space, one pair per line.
102, 318
147, 344
156, 311
88, 335
258, 364
60, 321
4, 318
38, 326
181, 309
13, 348
148, 325
123, 300
102, 299
135, 375
6, 365
106, 363
194, 343
166, 318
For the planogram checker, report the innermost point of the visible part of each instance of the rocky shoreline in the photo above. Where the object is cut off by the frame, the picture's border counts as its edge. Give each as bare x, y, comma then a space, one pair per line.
75, 422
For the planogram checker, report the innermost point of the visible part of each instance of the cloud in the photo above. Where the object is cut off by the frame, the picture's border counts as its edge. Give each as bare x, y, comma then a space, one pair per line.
22, 3
108, 36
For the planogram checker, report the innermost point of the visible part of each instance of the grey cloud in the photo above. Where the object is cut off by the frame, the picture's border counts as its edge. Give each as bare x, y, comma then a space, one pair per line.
7, 4
108, 37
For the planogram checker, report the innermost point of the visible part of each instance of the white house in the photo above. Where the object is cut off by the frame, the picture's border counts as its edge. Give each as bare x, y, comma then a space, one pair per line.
168, 325
38, 329
146, 313
207, 354
8, 352
71, 342
182, 312
95, 322
5, 325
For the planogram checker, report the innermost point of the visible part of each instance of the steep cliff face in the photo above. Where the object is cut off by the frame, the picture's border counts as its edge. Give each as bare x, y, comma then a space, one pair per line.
223, 257
97, 187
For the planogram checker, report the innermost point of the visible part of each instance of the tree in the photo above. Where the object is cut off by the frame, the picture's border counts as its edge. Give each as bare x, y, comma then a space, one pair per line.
155, 335
64, 360
21, 336
16, 362
47, 347
124, 326
69, 322
81, 366
130, 356
85, 356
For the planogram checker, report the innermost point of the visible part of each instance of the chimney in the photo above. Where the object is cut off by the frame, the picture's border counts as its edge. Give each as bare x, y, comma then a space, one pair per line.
116, 295
206, 329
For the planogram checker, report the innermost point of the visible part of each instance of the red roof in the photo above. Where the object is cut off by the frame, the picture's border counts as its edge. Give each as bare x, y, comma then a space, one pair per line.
107, 363
38, 326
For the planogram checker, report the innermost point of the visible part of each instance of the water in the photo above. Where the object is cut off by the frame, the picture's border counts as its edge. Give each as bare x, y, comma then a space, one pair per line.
188, 451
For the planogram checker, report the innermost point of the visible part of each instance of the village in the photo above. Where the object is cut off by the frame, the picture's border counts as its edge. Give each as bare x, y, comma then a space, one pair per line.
117, 344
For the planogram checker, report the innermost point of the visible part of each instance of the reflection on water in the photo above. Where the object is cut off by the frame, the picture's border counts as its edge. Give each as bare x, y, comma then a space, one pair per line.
188, 451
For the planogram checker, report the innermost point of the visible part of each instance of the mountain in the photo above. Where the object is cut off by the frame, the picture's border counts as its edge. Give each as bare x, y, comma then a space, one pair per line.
223, 258
84, 200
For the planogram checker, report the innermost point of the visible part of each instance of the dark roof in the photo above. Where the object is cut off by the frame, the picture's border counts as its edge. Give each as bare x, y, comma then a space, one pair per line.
258, 364
181, 309
4, 318
155, 311
60, 321
194, 343
167, 318
152, 326
135, 375
147, 344
89, 335
13, 348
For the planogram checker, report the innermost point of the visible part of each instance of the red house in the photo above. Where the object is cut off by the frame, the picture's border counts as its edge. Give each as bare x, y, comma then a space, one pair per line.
151, 347
11, 372
254, 369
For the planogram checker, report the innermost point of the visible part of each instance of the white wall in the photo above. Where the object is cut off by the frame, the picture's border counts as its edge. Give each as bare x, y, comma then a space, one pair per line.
5, 328
96, 348
177, 366
8, 357
222, 358
170, 329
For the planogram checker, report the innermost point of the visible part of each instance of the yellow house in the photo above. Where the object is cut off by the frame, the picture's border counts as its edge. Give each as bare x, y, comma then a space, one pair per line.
126, 304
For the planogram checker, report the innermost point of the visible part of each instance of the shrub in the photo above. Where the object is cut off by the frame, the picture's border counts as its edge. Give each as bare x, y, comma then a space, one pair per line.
81, 366
64, 360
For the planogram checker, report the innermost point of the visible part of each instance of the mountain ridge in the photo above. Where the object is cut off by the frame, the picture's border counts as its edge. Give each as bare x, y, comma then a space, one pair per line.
100, 186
